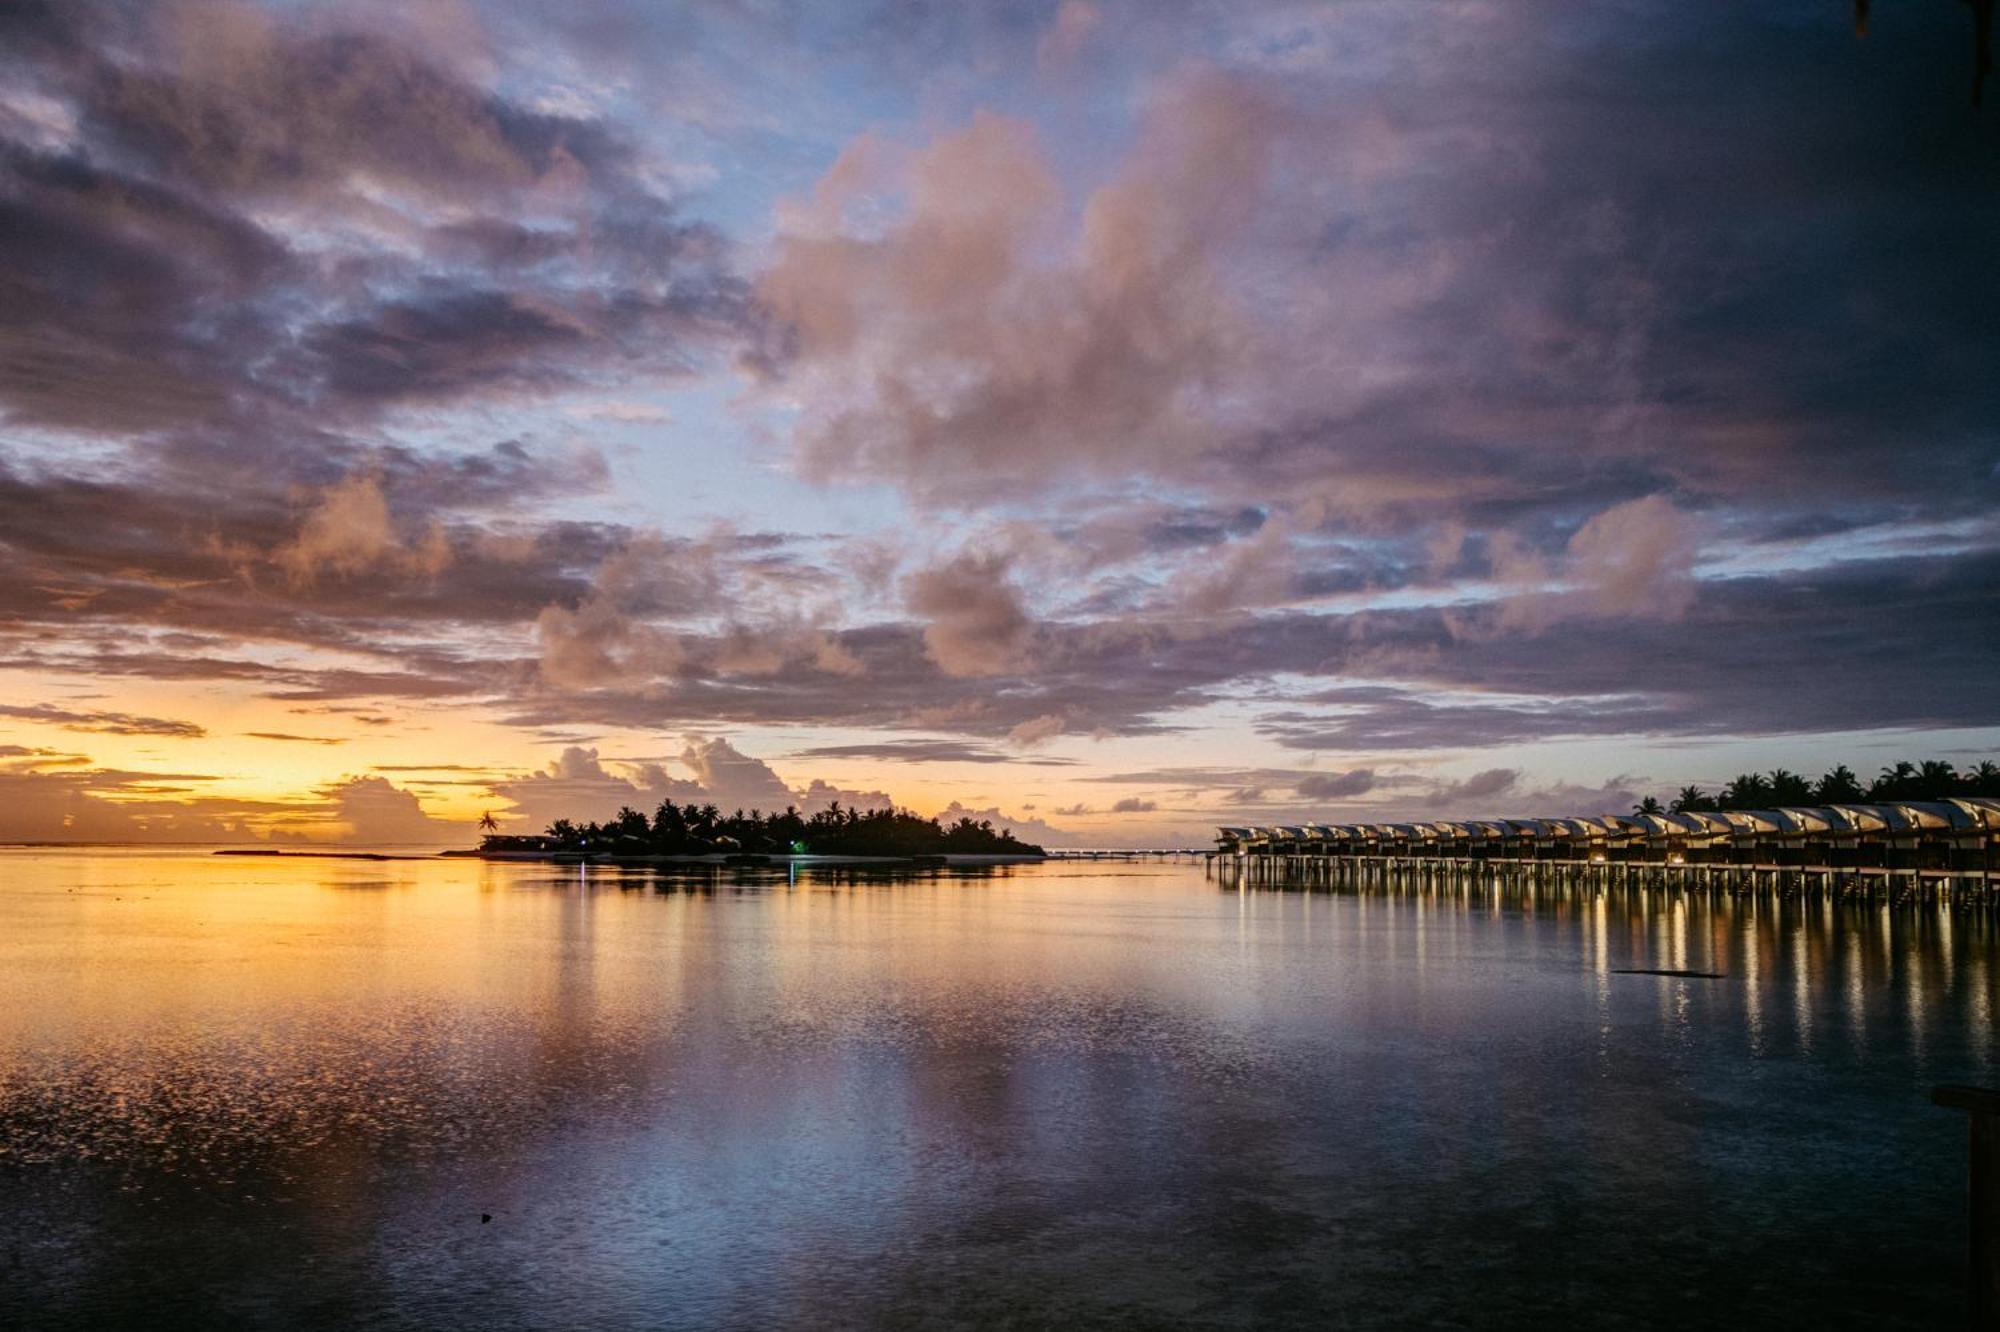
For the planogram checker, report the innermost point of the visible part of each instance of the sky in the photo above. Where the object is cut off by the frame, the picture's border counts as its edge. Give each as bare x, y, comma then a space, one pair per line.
1113, 419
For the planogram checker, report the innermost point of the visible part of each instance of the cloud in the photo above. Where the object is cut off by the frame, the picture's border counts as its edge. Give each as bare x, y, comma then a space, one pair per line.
1298, 381
818, 795
297, 739
87, 804
348, 529
578, 785
1257, 570
104, 723
1345, 197
1615, 795
1076, 23
596, 644
1637, 558
915, 750
950, 353
252, 218
43, 757
1133, 805
1034, 831
624, 413
1746, 659
976, 622
1038, 730
615, 632
733, 778
1493, 793
1482, 786
49, 807
375, 810
1335, 785
651, 614
59, 798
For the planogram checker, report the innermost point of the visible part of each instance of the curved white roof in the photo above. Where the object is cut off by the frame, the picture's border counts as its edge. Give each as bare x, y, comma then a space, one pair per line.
1960, 814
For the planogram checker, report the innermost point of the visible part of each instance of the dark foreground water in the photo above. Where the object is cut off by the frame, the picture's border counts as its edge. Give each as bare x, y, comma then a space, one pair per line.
285, 1094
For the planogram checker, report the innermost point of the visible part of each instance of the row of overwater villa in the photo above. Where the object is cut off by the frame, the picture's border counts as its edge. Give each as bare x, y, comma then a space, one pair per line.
1951, 843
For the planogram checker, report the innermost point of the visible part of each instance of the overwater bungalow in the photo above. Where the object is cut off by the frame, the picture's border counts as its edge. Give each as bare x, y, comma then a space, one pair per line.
1959, 834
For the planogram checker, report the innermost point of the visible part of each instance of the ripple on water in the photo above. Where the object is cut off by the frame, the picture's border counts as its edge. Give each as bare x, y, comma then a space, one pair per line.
408, 1084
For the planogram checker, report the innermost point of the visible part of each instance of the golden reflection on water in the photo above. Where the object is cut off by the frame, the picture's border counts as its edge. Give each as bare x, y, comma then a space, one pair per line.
1979, 991
1752, 962
1823, 960
984, 1076
1802, 984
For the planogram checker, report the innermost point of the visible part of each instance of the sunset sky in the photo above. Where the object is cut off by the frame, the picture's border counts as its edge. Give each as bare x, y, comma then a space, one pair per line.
1115, 418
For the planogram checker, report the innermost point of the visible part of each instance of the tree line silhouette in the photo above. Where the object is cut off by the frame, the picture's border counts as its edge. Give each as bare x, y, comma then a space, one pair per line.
682, 830
1933, 779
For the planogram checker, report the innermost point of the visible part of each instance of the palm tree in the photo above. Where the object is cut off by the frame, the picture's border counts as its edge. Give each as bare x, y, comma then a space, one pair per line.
1936, 779
1894, 783
1838, 787
1788, 788
487, 823
1748, 790
1692, 799
1983, 779
1649, 805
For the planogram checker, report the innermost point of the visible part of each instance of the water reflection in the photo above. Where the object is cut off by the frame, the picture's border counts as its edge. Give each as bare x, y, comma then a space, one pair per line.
1927, 959
284, 1093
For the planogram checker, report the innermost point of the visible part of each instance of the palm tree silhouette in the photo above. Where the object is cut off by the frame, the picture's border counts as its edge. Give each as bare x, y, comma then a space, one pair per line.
487, 823
1749, 790
1838, 786
1650, 805
1894, 783
1936, 779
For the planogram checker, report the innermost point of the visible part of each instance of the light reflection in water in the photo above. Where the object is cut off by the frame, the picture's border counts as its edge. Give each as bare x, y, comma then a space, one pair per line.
1752, 961
1979, 1003
1914, 986
1854, 998
282, 1092
1802, 984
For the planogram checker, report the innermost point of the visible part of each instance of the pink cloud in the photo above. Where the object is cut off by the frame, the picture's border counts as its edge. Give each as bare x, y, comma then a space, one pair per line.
1071, 31
976, 623
978, 341
348, 529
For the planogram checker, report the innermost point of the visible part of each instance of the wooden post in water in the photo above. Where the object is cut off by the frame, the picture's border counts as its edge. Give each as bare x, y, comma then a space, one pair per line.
1982, 1109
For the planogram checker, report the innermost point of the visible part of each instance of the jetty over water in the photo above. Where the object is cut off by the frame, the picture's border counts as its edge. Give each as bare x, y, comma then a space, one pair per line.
1948, 848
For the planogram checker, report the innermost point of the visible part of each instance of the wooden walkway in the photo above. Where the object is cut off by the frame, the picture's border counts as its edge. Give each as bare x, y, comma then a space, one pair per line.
1974, 887
1167, 854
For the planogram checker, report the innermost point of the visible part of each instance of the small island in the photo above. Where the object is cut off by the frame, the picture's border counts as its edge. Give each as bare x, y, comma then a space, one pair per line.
704, 833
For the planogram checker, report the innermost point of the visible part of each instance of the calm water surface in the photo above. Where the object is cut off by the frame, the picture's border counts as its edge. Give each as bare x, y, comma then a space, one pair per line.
241, 1093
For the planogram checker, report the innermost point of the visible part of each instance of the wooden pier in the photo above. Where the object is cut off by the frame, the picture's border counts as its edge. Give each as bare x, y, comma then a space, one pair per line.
1942, 849
1867, 883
